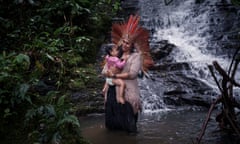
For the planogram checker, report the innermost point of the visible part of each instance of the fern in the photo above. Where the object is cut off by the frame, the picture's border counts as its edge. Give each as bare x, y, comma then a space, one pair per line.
69, 119
56, 138
53, 120
61, 101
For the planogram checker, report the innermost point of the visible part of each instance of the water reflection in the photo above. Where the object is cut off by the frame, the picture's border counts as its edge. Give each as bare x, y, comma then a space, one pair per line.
94, 130
175, 127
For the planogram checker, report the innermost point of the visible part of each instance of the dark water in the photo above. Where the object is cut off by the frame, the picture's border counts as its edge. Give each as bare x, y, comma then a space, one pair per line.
169, 127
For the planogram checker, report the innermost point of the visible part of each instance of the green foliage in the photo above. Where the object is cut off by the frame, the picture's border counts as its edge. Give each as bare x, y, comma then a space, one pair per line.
14, 85
46, 46
235, 2
54, 121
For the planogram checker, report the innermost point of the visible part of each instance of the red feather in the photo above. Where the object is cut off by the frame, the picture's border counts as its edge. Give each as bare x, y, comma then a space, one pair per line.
138, 35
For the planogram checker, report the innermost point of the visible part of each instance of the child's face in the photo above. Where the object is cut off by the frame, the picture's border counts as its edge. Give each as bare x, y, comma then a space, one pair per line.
114, 52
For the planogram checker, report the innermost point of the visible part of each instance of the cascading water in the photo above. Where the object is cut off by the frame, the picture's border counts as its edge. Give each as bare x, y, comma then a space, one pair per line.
185, 38
187, 25
188, 29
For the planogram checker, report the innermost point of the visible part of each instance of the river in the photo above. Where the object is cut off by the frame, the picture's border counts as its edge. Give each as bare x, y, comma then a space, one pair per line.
180, 126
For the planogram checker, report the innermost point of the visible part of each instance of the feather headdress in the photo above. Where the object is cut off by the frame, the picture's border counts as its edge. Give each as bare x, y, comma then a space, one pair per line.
136, 35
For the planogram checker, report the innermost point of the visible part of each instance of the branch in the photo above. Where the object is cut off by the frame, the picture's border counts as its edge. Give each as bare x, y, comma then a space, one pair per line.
234, 57
232, 123
215, 79
224, 74
207, 119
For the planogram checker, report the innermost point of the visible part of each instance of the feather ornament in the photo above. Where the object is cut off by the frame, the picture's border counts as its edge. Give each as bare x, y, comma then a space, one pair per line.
137, 35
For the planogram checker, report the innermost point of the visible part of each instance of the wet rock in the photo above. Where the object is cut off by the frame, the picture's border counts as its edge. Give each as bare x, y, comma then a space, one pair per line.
161, 49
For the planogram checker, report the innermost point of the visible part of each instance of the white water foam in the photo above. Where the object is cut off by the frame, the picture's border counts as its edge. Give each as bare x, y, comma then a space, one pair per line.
186, 26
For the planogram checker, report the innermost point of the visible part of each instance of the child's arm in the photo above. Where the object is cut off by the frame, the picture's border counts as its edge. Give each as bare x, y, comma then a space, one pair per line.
104, 91
104, 87
120, 63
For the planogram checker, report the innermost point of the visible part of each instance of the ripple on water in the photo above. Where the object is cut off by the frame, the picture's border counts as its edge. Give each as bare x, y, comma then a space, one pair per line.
172, 127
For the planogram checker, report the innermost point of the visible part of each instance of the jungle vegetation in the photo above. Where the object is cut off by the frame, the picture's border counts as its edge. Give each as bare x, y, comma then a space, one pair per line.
47, 48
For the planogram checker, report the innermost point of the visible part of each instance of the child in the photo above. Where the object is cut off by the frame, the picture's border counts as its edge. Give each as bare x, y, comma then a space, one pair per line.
115, 65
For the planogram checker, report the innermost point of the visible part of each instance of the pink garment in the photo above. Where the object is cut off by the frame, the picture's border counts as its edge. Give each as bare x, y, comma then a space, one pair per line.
132, 91
115, 61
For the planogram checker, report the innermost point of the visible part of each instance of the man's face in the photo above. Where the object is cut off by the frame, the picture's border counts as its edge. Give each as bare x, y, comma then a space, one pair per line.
126, 45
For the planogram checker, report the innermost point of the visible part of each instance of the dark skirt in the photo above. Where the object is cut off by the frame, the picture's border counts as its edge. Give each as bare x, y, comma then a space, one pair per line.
119, 116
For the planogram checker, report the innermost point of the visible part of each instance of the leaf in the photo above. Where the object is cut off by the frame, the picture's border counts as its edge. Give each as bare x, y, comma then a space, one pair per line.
61, 101
69, 119
7, 110
39, 65
3, 76
50, 57
49, 111
56, 138
23, 90
235, 2
22, 58
30, 114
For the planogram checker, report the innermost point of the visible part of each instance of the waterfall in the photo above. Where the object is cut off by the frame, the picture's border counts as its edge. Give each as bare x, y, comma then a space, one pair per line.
184, 24
189, 26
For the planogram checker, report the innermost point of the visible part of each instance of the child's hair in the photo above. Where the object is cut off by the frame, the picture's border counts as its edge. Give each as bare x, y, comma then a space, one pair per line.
120, 51
109, 49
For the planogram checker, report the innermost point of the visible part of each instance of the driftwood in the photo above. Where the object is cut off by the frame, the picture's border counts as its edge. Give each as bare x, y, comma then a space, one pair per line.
227, 118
